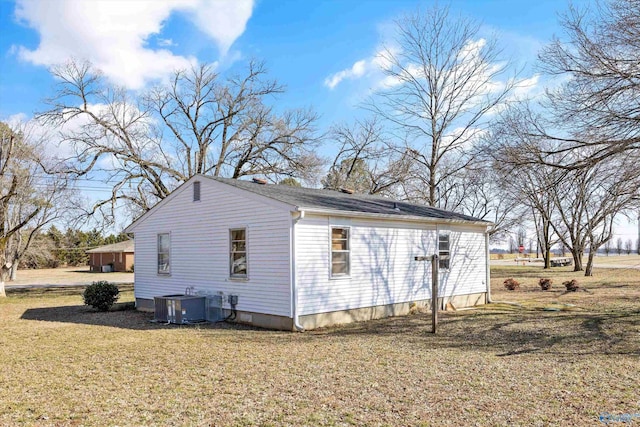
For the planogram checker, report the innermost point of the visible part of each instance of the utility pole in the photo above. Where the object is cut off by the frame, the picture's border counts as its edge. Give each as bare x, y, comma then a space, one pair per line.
435, 265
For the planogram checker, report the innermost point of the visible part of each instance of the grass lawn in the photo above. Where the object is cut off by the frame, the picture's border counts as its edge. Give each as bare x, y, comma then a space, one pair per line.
505, 364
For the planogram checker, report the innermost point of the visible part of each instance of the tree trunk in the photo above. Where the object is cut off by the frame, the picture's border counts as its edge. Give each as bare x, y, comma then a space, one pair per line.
4, 273
589, 270
14, 271
433, 188
547, 257
546, 244
577, 260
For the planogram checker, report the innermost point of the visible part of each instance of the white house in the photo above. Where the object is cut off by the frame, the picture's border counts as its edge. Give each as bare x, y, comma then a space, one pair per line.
304, 258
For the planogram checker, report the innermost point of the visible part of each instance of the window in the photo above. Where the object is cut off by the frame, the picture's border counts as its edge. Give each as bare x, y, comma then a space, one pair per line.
196, 191
340, 249
238, 253
443, 251
164, 246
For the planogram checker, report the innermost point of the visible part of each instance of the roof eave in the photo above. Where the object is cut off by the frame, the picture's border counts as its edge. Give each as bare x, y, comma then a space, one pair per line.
397, 217
115, 251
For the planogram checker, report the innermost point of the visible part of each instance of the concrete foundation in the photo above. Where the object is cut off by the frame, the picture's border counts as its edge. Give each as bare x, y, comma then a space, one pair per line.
319, 320
144, 305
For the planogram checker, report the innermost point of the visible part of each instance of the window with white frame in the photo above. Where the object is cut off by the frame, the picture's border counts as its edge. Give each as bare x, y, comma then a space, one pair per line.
164, 249
196, 191
340, 251
444, 251
238, 265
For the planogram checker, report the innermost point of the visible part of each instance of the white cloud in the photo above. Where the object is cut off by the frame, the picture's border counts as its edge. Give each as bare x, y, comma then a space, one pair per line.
16, 120
166, 42
372, 67
113, 34
41, 134
468, 61
357, 70
222, 20
528, 87
471, 51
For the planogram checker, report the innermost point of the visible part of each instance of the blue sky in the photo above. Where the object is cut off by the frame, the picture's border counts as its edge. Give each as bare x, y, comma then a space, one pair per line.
322, 51
302, 42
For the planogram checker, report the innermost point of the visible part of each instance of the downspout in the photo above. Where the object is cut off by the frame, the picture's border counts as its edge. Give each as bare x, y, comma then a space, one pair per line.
488, 271
294, 292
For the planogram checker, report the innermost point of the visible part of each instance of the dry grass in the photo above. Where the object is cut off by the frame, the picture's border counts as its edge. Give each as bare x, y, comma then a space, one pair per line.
504, 365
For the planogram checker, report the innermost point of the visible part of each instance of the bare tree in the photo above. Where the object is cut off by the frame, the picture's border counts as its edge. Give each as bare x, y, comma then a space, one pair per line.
513, 244
198, 123
593, 113
584, 199
477, 192
628, 246
531, 186
366, 162
619, 246
607, 247
587, 202
441, 85
521, 237
29, 198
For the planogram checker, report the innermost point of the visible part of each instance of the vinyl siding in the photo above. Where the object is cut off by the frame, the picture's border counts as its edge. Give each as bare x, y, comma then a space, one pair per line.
383, 269
199, 254
468, 269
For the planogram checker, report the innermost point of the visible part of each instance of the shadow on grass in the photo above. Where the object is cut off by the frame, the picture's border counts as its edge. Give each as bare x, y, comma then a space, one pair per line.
513, 333
121, 315
504, 334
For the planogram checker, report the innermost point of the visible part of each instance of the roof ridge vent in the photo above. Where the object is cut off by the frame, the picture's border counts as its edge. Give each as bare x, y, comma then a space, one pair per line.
260, 181
346, 190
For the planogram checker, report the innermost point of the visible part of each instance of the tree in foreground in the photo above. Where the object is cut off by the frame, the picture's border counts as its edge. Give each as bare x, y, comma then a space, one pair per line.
577, 205
443, 81
593, 114
30, 198
197, 123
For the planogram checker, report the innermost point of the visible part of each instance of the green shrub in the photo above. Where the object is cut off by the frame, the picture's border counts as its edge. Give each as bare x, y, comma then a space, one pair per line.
101, 295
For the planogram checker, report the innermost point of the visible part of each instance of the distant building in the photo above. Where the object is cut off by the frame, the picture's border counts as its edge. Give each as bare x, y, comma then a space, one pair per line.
114, 257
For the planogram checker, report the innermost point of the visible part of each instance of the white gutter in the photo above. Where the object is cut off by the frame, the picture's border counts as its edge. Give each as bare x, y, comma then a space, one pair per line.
487, 257
292, 267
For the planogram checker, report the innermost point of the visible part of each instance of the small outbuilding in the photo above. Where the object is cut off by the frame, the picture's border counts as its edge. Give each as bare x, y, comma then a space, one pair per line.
291, 258
115, 257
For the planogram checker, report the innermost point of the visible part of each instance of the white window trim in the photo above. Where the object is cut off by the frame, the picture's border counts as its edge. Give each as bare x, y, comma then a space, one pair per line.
193, 191
239, 277
163, 273
443, 233
339, 276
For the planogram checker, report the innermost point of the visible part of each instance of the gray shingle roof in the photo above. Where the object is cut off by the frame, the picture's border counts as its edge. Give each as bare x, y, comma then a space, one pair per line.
126, 246
313, 198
